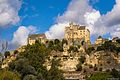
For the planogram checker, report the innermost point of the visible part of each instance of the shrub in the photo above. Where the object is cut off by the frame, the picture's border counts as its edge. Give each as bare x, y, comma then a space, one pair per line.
89, 50
100, 76
79, 67
8, 75
118, 40
7, 53
30, 77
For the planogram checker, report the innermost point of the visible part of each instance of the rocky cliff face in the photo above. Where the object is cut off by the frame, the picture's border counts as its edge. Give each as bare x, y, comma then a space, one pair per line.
103, 59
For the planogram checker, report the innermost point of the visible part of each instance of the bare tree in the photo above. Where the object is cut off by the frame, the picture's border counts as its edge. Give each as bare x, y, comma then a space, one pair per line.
4, 46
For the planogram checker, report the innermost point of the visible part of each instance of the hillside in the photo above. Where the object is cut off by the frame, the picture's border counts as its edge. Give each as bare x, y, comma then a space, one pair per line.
43, 60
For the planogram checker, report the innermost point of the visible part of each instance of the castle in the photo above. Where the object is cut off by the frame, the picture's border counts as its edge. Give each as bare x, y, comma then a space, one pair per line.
74, 34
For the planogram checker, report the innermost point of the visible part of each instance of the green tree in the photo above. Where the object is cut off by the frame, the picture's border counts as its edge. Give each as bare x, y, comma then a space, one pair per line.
83, 42
0, 60
6, 54
0, 54
100, 48
28, 70
23, 69
38, 42
36, 55
118, 40
89, 50
82, 59
51, 45
8, 75
16, 52
40, 77
54, 72
75, 49
32, 60
79, 67
64, 41
56, 41
100, 76
107, 46
72, 48
115, 73
30, 77
58, 47
117, 49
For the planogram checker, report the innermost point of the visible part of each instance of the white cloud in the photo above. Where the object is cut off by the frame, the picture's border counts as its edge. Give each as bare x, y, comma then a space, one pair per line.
80, 12
9, 12
56, 31
113, 17
75, 12
90, 19
110, 22
21, 35
115, 31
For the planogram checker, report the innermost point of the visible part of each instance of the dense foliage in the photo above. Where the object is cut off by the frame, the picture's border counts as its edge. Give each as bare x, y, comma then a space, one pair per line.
100, 76
0, 60
118, 40
29, 64
7, 53
57, 45
81, 61
89, 50
108, 75
109, 46
73, 49
115, 73
9, 75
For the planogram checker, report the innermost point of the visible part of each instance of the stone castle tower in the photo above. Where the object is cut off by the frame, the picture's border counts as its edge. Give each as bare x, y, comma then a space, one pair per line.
76, 33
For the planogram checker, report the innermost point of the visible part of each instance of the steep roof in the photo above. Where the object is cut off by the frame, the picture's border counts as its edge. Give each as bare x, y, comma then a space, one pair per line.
99, 37
34, 36
81, 28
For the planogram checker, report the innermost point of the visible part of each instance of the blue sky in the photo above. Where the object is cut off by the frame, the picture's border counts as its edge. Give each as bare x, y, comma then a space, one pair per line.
39, 13
103, 5
44, 13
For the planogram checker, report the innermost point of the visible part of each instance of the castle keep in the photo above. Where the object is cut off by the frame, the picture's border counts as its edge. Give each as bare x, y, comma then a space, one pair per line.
76, 33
